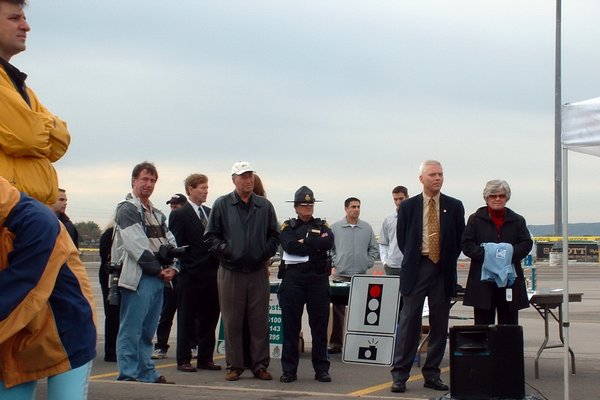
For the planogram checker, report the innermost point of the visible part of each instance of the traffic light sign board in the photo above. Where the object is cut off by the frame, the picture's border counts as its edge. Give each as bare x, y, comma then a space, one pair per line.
372, 315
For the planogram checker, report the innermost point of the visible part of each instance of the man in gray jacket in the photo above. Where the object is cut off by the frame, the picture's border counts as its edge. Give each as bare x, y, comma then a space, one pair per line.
141, 230
354, 252
243, 232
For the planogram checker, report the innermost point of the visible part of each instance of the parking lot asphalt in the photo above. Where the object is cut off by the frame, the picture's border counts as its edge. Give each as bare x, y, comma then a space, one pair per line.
352, 380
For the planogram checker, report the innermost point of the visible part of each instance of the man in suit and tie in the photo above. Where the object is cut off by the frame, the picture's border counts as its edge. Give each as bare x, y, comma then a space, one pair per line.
197, 295
429, 231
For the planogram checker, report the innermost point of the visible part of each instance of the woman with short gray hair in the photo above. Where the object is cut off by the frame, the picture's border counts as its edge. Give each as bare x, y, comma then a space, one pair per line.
496, 186
495, 223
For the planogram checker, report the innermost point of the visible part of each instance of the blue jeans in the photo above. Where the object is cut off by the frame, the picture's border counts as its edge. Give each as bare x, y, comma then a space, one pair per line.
140, 312
70, 385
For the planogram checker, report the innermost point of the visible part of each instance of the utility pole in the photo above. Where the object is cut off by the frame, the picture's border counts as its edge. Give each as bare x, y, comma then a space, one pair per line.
557, 128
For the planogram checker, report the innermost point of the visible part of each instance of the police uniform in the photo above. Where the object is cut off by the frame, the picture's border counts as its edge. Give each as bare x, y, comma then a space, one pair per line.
305, 282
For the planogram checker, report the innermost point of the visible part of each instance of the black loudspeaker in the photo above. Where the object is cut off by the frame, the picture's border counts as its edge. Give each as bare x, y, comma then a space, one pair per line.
486, 362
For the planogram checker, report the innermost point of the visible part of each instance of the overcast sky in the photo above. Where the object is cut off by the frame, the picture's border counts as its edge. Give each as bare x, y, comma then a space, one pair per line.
346, 97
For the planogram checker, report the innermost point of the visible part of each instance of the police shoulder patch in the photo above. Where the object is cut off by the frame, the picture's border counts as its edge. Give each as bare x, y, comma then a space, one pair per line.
322, 222
290, 222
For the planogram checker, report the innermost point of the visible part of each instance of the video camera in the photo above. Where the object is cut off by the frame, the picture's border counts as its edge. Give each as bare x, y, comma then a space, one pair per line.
167, 253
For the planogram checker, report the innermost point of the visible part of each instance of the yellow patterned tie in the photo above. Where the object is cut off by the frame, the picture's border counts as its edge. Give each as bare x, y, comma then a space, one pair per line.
433, 226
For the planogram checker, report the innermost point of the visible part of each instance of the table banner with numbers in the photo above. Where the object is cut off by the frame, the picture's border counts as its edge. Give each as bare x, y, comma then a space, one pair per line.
275, 330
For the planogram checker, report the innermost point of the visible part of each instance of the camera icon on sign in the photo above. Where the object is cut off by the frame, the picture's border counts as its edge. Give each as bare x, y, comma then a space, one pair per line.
367, 353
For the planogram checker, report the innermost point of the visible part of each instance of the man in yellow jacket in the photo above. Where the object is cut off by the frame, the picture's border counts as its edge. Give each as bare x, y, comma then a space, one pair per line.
31, 137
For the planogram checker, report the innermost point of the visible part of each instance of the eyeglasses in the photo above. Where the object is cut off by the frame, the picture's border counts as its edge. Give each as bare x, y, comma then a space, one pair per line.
497, 196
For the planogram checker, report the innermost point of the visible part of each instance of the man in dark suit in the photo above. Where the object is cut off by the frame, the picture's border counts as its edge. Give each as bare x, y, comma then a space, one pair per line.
197, 295
429, 232
59, 209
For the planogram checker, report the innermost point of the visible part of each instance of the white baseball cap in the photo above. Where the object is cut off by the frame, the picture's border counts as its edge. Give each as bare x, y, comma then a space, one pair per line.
241, 167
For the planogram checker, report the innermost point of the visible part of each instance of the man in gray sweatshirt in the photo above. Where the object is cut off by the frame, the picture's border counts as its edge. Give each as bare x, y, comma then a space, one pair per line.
354, 252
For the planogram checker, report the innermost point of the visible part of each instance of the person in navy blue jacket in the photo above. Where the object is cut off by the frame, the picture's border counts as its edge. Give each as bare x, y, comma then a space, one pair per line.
306, 242
47, 327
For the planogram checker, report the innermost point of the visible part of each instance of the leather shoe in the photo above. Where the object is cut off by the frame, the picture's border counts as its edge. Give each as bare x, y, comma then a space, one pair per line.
263, 375
211, 366
162, 379
287, 378
233, 374
323, 376
435, 384
334, 350
186, 368
398, 387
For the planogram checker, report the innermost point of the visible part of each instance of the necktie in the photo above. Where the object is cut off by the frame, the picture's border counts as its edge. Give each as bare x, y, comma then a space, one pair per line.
433, 226
202, 219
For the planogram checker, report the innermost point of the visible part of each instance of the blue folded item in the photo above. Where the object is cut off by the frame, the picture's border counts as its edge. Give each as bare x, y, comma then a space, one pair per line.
497, 264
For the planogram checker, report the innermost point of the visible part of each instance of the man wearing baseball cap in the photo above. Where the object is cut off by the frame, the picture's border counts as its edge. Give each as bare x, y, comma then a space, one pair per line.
243, 232
176, 201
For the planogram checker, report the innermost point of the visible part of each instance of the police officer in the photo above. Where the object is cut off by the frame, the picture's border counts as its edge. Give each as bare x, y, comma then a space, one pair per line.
305, 271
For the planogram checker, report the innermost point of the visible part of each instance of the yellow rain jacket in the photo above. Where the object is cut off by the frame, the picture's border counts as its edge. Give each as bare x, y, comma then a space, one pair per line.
31, 139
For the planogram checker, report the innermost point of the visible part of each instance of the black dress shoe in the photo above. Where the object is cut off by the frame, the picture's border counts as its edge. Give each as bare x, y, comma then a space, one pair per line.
211, 366
323, 376
334, 350
287, 378
186, 368
435, 384
398, 387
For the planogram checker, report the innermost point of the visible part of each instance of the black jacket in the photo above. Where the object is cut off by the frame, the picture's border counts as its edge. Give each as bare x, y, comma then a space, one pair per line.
410, 240
70, 228
315, 246
244, 240
188, 231
480, 229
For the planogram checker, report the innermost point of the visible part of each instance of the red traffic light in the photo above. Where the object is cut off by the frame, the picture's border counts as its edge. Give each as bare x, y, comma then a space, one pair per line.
374, 290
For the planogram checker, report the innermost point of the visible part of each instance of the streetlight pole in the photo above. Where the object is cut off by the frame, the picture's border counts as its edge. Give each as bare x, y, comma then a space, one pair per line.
557, 128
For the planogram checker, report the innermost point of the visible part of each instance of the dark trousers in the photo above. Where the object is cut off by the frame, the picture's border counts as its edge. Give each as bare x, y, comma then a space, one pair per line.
166, 317
297, 289
338, 316
506, 316
197, 315
245, 296
429, 283
111, 319
396, 272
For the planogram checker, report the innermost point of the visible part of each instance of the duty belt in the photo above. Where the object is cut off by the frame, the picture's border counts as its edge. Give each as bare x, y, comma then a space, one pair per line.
305, 266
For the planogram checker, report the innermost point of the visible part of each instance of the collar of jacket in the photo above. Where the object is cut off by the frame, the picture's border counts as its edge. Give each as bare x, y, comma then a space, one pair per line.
509, 216
234, 198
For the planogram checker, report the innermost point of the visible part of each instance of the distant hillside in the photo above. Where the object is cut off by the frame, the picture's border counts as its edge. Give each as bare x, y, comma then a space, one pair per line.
578, 229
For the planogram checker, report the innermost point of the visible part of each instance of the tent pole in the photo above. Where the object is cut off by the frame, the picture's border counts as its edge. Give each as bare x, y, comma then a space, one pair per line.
561, 221
565, 265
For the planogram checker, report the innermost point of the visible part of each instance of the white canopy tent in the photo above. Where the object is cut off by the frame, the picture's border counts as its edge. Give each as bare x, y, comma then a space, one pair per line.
580, 132
581, 126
